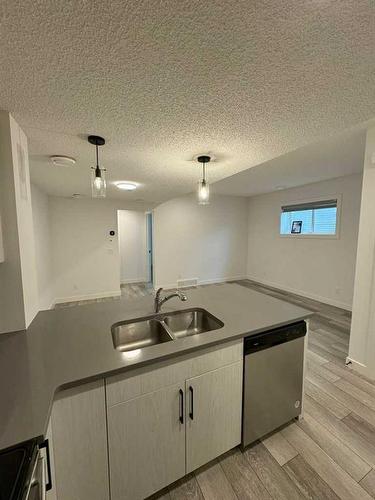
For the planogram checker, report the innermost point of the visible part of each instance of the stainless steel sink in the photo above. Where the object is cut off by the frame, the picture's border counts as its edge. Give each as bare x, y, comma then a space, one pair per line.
191, 322
144, 332
128, 336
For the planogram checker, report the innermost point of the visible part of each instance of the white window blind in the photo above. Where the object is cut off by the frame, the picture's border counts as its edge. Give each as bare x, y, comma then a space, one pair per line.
318, 218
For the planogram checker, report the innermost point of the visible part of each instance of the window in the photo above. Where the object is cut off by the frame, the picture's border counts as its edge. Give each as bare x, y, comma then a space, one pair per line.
315, 218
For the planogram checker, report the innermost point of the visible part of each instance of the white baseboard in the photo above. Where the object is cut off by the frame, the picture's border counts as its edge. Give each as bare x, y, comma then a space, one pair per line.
91, 296
52, 305
137, 280
204, 282
360, 368
313, 296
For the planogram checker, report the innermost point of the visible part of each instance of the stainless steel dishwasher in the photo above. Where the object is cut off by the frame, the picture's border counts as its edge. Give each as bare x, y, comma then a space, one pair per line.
273, 380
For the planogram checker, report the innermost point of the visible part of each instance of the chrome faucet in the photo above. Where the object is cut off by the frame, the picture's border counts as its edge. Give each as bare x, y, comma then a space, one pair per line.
159, 301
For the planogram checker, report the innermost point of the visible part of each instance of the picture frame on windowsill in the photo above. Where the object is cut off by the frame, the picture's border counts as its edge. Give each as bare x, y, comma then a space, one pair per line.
296, 227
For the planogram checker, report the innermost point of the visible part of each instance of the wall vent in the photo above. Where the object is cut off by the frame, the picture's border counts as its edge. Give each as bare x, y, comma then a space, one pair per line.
187, 282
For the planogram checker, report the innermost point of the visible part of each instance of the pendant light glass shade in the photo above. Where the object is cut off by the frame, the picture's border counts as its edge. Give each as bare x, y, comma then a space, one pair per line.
98, 182
203, 193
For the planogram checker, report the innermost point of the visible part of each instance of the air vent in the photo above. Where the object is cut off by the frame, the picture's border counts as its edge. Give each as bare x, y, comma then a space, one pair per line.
187, 282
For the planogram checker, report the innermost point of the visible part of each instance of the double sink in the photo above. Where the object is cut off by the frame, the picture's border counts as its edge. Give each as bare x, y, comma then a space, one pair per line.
160, 328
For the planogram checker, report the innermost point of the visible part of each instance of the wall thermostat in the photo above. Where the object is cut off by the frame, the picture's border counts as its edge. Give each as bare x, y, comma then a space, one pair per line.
112, 233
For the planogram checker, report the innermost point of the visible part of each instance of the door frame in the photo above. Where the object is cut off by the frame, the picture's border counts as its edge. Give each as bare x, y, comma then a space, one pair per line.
150, 246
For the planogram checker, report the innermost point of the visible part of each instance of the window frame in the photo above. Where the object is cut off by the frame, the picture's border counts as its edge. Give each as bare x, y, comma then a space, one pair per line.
314, 199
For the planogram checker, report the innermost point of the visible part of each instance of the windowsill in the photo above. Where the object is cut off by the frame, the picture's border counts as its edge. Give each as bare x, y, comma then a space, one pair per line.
311, 236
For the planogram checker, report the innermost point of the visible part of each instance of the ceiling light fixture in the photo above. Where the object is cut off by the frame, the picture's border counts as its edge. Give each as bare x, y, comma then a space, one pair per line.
126, 186
203, 192
62, 161
98, 182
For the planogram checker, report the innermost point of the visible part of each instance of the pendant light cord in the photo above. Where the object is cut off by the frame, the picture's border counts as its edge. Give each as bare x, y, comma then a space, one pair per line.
97, 155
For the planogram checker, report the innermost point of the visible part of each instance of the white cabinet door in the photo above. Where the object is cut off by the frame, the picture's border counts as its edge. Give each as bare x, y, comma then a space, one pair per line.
213, 414
80, 443
146, 443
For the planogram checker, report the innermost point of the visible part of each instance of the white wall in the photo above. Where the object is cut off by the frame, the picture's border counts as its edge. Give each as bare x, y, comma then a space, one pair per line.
42, 239
11, 295
362, 335
204, 242
18, 281
319, 268
132, 245
25, 222
85, 258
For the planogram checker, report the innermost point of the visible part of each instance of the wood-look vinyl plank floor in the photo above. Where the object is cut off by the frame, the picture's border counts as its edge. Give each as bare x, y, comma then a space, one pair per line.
308, 481
328, 455
368, 483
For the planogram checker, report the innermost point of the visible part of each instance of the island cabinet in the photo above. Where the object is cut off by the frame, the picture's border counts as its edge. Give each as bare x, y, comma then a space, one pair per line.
167, 420
79, 444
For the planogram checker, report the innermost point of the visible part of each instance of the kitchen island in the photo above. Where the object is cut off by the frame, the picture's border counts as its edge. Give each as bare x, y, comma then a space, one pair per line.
66, 348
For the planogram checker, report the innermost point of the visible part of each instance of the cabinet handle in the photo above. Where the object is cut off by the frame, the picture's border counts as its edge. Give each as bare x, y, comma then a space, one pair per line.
191, 413
181, 406
45, 445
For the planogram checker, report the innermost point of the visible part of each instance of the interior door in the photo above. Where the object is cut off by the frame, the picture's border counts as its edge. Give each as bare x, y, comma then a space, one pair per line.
213, 414
146, 443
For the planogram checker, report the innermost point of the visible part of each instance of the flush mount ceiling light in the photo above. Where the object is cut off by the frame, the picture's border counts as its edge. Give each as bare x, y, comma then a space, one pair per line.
126, 186
62, 161
203, 192
98, 183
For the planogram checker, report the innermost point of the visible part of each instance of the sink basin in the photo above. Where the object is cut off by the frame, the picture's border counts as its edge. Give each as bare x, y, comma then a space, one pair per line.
131, 335
143, 332
191, 322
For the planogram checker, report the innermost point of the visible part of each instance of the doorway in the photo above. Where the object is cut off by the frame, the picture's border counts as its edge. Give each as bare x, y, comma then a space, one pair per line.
135, 229
149, 247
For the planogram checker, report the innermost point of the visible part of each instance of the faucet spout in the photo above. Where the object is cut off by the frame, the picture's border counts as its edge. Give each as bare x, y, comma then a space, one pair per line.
158, 302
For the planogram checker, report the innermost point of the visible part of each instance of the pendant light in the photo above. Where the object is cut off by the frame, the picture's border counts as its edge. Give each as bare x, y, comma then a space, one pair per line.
203, 193
98, 183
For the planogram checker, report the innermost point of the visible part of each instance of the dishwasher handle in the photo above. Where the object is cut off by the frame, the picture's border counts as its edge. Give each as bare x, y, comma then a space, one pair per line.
274, 337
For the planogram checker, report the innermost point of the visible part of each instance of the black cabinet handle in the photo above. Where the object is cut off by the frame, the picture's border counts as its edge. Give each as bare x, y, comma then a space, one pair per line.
181, 406
45, 445
191, 413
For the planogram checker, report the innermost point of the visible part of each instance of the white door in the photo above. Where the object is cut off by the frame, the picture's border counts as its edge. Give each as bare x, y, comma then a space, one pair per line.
213, 414
146, 443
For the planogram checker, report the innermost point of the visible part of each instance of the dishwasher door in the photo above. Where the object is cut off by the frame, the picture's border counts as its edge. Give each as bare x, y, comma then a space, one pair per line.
273, 382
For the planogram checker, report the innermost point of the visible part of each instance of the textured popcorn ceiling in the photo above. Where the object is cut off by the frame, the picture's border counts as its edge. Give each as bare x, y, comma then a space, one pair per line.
163, 81
330, 158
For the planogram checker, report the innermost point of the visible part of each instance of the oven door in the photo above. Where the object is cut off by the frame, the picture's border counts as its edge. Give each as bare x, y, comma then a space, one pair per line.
37, 489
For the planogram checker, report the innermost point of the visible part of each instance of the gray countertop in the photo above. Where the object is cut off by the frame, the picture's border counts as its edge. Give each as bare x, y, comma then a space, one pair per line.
66, 346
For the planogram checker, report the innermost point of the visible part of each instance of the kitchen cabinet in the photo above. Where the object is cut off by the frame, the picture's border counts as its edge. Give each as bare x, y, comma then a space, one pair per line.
80, 443
213, 424
51, 494
132, 434
146, 444
166, 421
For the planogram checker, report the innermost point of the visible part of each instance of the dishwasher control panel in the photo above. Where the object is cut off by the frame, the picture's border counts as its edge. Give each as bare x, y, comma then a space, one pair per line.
274, 337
